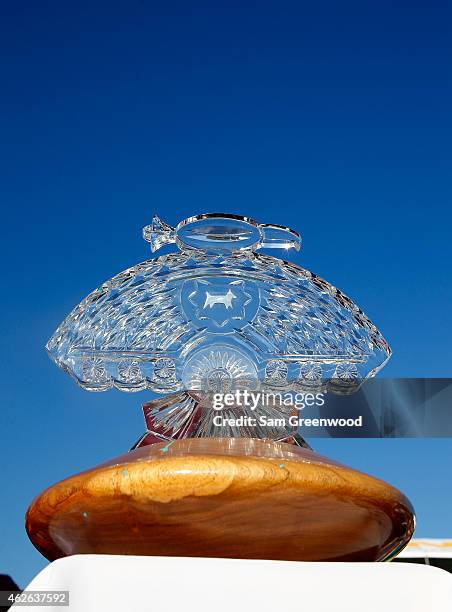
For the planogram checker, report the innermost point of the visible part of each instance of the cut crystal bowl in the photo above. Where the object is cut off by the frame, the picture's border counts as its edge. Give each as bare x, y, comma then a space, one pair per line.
215, 316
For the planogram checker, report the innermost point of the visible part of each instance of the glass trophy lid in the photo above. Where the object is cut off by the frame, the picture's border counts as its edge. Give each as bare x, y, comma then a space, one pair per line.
217, 315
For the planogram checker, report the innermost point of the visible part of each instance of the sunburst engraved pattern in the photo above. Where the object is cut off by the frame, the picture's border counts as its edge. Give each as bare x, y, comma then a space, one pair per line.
219, 370
310, 376
138, 317
276, 373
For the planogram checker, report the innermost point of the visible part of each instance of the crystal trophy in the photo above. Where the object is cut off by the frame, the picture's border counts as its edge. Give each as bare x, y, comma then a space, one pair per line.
216, 329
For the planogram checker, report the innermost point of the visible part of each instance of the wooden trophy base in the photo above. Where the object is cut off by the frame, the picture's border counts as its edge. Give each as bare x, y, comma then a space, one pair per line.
207, 497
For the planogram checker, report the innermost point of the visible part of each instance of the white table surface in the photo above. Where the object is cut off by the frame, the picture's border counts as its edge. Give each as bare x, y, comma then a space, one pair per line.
162, 584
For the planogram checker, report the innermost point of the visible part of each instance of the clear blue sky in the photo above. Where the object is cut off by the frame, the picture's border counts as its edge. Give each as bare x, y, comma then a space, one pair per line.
332, 118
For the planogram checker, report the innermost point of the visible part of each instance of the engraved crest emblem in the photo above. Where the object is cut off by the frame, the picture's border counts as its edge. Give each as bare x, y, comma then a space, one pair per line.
220, 304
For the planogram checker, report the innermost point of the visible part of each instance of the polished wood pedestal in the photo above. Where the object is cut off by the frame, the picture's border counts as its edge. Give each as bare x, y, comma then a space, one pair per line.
242, 498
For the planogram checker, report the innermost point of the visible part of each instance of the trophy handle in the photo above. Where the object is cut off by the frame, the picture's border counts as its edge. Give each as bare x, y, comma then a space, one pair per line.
220, 232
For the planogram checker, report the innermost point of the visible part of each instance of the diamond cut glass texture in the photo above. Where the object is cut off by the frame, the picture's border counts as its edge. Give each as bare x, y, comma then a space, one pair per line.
217, 315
